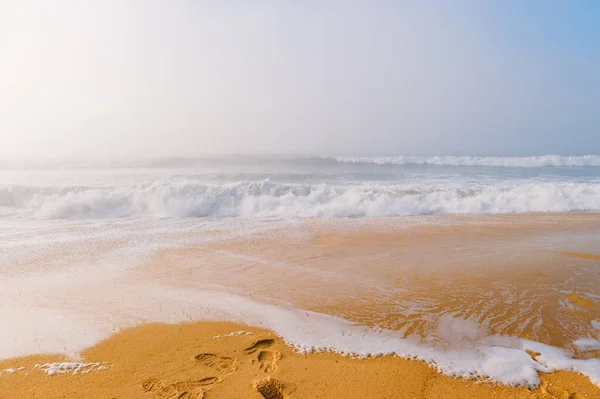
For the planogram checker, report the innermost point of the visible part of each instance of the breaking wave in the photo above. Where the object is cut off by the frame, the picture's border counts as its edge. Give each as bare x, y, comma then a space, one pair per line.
515, 162
188, 198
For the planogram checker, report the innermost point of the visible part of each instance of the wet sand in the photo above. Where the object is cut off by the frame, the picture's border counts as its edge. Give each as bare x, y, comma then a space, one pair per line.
528, 276
532, 276
225, 360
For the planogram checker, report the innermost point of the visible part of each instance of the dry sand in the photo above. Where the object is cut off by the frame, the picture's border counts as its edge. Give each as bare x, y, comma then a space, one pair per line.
205, 360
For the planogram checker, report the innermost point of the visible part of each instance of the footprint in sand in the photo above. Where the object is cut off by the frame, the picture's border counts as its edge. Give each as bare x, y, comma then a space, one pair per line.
161, 388
554, 391
221, 364
188, 389
154, 385
550, 390
261, 344
267, 361
269, 388
190, 395
190, 385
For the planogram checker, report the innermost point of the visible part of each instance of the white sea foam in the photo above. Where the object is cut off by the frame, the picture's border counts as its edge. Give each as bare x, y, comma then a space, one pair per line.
515, 162
233, 334
185, 198
496, 358
12, 370
587, 344
71, 367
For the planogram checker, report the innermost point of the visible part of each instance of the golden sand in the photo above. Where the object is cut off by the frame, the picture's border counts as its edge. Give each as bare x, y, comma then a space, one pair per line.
225, 360
531, 276
502, 271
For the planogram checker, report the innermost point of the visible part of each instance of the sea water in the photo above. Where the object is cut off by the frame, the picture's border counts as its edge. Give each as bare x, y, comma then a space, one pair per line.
73, 233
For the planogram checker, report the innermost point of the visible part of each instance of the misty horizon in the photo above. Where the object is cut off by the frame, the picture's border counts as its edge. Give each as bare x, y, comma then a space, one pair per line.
133, 79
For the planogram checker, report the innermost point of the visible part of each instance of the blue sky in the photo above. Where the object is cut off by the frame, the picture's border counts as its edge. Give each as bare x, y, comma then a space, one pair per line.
144, 78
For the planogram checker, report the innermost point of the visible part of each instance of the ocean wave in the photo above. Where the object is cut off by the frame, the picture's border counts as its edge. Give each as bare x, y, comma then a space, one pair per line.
188, 199
292, 163
515, 162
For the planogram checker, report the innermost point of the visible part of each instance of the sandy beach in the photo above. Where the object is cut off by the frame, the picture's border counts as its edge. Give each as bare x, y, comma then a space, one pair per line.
299, 199
319, 308
225, 360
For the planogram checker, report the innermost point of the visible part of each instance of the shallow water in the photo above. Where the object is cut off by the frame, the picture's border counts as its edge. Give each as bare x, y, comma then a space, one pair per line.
85, 252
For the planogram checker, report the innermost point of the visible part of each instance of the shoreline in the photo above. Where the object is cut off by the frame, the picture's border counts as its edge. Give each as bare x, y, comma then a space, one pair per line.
221, 359
489, 290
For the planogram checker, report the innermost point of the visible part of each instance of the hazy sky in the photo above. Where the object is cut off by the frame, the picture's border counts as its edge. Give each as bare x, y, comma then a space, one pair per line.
148, 77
